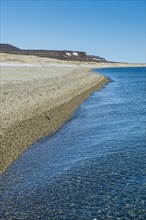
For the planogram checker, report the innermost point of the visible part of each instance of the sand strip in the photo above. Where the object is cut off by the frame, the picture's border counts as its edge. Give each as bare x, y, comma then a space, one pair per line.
36, 101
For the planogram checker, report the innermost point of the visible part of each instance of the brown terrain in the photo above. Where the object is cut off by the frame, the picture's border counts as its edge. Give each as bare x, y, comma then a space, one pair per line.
55, 54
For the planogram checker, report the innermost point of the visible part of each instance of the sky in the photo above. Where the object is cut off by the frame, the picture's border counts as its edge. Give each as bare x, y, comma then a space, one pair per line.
113, 29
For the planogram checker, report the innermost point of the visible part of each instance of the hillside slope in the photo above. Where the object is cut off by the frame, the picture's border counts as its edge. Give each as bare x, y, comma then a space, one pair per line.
56, 54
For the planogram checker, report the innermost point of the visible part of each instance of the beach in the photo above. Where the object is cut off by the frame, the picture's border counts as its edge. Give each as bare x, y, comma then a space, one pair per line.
38, 95
92, 166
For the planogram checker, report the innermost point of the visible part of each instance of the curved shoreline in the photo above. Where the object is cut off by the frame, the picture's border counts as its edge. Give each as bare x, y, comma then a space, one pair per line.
21, 135
38, 95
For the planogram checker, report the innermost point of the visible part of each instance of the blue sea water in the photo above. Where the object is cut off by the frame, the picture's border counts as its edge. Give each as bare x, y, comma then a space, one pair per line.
94, 166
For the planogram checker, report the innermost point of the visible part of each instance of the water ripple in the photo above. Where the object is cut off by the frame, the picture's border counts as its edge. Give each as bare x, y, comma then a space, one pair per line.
94, 167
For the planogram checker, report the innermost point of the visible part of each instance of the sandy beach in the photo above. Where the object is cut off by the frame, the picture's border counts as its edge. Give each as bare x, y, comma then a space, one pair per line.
38, 95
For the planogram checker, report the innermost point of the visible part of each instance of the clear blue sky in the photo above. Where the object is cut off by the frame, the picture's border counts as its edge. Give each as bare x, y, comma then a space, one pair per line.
111, 29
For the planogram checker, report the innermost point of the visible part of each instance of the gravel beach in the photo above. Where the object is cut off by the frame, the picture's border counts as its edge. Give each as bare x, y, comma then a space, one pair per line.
38, 95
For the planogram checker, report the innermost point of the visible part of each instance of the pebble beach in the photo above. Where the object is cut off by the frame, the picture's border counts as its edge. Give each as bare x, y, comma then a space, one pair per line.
37, 96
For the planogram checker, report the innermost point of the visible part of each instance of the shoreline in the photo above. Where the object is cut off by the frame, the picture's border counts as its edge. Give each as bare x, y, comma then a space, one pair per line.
37, 99
19, 135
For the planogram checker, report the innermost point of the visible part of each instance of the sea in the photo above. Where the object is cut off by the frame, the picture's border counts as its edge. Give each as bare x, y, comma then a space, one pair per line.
92, 168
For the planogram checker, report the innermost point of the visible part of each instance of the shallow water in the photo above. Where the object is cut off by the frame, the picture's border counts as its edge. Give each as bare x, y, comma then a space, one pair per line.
93, 167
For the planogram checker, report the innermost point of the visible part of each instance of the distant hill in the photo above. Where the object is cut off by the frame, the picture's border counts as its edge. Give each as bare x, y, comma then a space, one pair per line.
57, 54
6, 48
96, 58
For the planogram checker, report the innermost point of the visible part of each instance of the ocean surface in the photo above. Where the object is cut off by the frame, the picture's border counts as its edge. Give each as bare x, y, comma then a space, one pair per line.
94, 167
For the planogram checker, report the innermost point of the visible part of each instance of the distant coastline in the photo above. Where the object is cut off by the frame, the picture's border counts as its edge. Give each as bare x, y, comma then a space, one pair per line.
68, 55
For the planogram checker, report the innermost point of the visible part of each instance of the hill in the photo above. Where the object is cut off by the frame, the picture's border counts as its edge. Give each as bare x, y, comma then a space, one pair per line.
57, 54
7, 48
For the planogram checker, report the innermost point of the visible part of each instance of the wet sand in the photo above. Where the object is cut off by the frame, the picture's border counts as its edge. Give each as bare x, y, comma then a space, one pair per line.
38, 95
